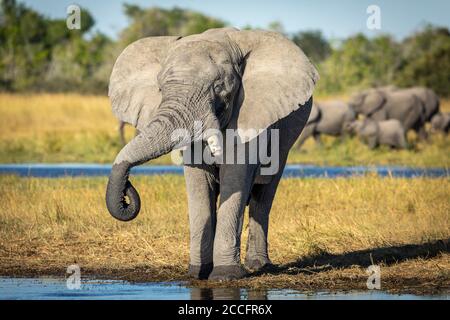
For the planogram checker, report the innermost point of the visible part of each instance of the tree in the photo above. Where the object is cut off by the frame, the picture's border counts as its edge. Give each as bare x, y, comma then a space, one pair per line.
164, 22
426, 60
315, 46
276, 26
39, 53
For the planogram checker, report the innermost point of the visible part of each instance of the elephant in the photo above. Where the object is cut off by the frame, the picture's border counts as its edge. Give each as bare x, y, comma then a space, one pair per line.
220, 81
380, 105
374, 133
440, 122
429, 99
329, 117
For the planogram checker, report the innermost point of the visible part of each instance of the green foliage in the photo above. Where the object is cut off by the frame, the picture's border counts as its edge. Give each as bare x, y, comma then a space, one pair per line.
276, 26
313, 44
162, 22
359, 63
422, 59
426, 60
42, 54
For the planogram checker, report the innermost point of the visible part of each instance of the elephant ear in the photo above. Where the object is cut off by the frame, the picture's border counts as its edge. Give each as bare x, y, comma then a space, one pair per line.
373, 102
278, 79
133, 87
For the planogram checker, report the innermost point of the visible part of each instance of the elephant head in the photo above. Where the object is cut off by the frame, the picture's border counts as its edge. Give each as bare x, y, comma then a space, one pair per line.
352, 128
223, 78
367, 102
367, 130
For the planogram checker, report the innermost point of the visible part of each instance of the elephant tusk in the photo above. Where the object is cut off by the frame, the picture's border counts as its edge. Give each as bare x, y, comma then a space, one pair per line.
215, 145
177, 155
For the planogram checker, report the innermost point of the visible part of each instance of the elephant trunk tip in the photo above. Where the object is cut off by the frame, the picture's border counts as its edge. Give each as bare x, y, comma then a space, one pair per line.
119, 188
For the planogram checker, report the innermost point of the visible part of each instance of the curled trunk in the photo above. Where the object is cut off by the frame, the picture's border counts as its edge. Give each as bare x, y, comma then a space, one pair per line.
122, 199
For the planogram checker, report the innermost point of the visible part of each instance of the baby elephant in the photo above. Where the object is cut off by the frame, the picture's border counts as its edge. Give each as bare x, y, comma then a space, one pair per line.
440, 122
373, 133
329, 117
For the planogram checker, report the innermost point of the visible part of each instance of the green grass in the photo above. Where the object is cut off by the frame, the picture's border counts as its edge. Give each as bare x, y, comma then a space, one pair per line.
350, 151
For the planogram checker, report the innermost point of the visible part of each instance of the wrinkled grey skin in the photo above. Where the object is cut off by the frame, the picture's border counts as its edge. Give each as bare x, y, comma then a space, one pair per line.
329, 118
379, 105
227, 79
429, 100
440, 122
373, 133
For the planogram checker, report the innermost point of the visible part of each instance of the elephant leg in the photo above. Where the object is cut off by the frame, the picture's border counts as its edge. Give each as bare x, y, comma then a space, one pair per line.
422, 133
317, 139
372, 142
257, 256
262, 196
202, 191
413, 120
307, 132
236, 181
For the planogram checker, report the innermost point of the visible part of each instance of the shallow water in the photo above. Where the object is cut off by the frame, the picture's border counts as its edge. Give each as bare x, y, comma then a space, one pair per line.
56, 289
291, 171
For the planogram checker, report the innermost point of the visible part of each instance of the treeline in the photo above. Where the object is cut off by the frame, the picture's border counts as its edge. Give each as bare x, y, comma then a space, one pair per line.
42, 54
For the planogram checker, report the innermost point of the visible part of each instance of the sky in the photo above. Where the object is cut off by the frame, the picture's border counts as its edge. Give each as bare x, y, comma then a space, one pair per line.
337, 19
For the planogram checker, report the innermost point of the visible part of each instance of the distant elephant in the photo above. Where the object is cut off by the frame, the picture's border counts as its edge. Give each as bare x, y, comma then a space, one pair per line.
382, 105
373, 133
221, 79
429, 99
328, 118
440, 122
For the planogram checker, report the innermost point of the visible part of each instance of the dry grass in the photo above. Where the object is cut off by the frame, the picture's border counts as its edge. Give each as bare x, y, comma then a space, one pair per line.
75, 128
318, 229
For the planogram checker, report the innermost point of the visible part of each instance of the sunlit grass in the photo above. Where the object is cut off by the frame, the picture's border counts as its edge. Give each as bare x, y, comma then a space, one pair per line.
50, 223
76, 128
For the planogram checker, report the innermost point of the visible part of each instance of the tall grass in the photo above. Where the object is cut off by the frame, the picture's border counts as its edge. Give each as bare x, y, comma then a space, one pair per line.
50, 223
76, 128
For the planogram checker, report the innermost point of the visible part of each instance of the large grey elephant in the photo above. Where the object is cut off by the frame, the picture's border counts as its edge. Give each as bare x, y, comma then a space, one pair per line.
374, 133
380, 105
224, 79
328, 117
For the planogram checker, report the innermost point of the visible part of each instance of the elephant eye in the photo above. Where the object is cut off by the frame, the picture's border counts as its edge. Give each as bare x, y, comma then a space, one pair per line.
218, 88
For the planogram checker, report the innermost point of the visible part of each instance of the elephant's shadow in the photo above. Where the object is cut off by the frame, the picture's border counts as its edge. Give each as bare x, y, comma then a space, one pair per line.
361, 258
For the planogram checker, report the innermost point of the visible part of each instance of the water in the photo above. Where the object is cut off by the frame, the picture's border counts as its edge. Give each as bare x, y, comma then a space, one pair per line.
56, 289
291, 171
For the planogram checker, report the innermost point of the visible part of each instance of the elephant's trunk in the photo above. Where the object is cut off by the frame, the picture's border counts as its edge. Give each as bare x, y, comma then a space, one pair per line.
153, 141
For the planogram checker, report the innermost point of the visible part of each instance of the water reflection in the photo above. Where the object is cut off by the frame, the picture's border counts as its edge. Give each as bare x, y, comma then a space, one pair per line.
43, 288
227, 294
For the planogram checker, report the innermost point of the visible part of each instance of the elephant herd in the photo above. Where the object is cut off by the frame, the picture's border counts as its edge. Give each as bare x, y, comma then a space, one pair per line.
388, 113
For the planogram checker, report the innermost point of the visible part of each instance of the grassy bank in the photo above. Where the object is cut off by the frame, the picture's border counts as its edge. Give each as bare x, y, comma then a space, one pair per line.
323, 233
75, 128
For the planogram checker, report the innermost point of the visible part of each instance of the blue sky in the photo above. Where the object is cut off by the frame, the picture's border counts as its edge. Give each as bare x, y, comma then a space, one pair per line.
336, 19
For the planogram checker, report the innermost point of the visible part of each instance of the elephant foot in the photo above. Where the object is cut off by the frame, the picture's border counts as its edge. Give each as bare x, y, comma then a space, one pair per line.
200, 272
226, 273
258, 264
